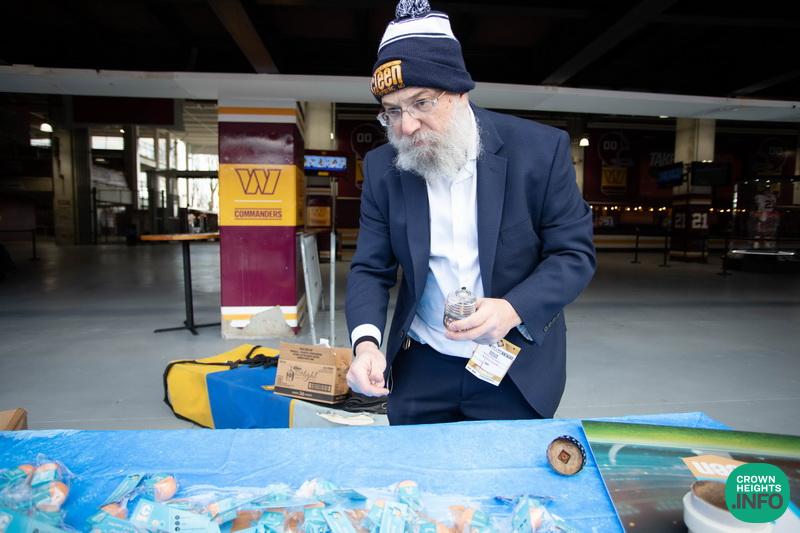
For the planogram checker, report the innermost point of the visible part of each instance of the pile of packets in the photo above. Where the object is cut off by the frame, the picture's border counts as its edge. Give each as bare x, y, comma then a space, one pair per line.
31, 499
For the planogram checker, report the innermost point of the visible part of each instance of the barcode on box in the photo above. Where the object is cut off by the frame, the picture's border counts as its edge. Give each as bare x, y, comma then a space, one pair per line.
319, 387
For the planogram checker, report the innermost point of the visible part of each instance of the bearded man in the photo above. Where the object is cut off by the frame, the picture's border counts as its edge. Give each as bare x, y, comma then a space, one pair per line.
461, 197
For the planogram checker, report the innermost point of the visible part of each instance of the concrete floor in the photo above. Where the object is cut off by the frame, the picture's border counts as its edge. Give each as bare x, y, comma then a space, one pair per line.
77, 348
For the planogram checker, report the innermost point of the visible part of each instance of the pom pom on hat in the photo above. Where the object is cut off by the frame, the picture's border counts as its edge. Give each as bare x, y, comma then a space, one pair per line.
411, 8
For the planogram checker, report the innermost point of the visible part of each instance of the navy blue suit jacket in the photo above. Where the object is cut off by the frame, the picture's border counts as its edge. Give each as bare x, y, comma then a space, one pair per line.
534, 239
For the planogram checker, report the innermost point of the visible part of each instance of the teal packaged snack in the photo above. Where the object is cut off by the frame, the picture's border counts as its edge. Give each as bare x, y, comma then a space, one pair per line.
125, 489
270, 522
531, 515
53, 518
343, 497
408, 493
375, 516
12, 477
480, 523
105, 523
14, 522
45, 473
154, 516
394, 517
337, 521
314, 521
426, 526
160, 487
225, 510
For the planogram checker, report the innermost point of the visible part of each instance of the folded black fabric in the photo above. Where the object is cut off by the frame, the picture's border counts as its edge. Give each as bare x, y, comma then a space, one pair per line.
359, 403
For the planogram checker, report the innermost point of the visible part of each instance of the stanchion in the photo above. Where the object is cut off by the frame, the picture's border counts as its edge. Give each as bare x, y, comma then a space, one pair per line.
666, 250
636, 249
34, 257
94, 215
724, 271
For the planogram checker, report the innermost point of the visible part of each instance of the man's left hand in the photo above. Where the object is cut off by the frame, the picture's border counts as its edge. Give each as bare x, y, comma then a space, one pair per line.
492, 320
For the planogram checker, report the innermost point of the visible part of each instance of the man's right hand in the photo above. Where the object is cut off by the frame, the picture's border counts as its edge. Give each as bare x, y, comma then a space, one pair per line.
366, 371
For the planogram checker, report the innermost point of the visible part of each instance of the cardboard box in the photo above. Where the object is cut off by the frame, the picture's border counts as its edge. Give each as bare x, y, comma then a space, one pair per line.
13, 419
317, 373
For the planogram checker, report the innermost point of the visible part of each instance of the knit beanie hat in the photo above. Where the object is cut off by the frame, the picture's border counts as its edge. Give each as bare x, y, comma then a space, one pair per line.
418, 49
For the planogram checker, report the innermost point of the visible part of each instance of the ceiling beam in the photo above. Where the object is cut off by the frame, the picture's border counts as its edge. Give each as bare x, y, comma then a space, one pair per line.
482, 8
235, 19
19, 83
637, 17
766, 84
734, 22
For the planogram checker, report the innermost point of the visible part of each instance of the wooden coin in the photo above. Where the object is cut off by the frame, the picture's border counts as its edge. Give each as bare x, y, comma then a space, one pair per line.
566, 455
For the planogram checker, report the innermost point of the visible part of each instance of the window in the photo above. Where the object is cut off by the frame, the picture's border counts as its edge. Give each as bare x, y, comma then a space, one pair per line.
147, 148
180, 154
203, 161
162, 153
101, 142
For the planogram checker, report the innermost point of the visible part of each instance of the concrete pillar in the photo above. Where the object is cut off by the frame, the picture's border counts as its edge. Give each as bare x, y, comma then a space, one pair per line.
320, 124
152, 203
131, 162
153, 199
82, 181
172, 198
72, 186
172, 184
262, 198
168, 144
694, 141
63, 188
797, 158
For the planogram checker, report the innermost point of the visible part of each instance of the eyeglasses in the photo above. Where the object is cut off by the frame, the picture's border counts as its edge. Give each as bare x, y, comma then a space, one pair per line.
417, 109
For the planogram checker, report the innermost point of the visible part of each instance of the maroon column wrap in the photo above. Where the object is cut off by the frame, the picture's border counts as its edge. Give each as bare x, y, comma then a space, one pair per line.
260, 265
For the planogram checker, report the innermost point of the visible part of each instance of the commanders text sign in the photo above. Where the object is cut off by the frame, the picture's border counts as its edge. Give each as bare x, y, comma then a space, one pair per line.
261, 195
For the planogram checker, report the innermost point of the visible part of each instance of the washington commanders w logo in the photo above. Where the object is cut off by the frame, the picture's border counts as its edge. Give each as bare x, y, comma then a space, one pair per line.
258, 180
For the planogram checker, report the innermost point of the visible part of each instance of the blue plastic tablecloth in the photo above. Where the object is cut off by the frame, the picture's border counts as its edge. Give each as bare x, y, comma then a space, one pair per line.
498, 458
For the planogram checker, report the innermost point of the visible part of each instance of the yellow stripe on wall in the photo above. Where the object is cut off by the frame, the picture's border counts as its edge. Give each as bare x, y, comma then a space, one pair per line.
286, 316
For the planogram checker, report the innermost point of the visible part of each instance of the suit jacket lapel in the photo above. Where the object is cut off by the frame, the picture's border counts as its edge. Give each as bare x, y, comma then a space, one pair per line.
418, 227
491, 193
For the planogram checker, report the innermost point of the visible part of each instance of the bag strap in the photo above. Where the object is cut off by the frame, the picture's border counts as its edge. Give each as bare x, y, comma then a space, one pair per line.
252, 361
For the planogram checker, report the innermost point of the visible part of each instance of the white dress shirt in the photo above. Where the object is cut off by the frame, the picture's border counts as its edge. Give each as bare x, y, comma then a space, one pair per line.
453, 261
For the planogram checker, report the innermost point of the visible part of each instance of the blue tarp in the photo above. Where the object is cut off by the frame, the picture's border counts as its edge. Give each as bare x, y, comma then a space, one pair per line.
498, 458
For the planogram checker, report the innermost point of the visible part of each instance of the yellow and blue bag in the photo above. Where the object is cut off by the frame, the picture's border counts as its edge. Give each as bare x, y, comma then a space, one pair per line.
195, 392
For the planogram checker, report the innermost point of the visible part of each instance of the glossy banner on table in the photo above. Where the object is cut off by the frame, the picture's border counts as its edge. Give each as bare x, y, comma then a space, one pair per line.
649, 469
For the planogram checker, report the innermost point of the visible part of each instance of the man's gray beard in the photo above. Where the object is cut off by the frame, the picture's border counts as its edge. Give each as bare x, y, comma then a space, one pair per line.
438, 155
